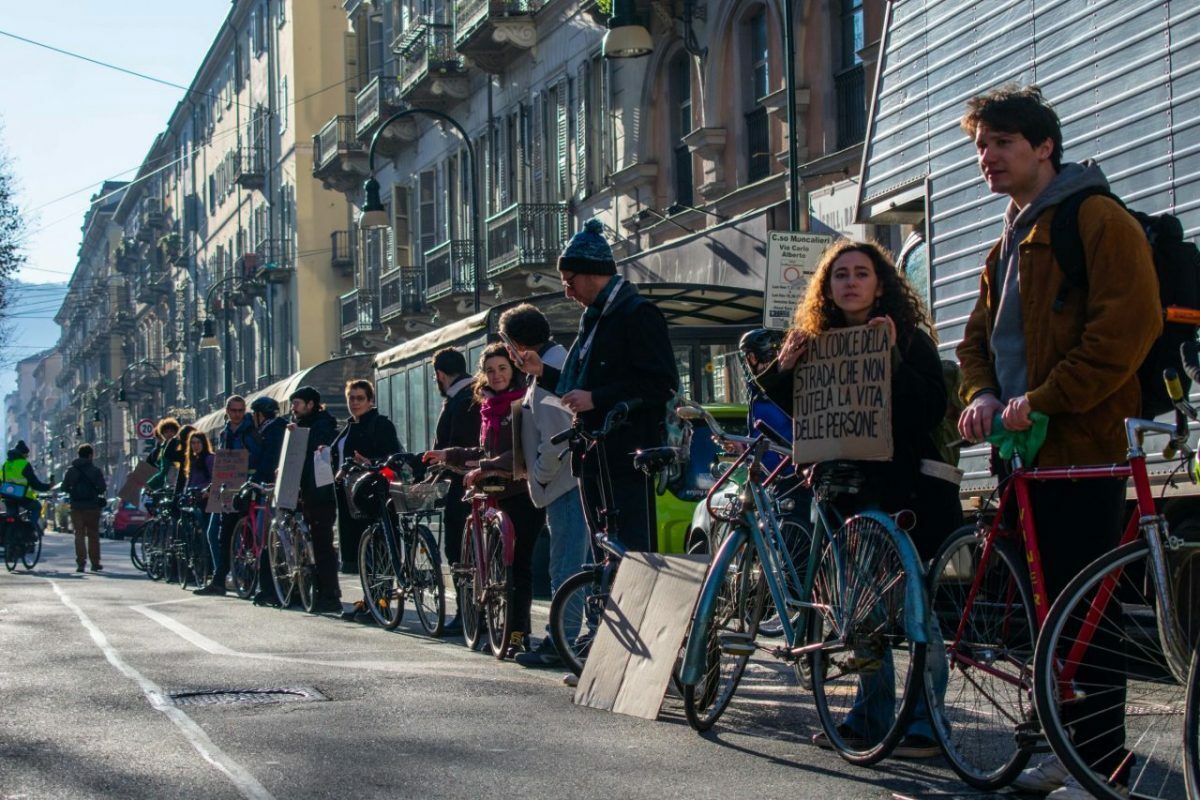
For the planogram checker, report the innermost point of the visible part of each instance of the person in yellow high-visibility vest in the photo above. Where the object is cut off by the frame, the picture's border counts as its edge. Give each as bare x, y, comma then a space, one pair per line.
17, 471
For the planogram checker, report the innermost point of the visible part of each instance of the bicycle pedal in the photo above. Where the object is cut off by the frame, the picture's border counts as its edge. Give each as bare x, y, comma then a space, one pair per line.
737, 644
1028, 737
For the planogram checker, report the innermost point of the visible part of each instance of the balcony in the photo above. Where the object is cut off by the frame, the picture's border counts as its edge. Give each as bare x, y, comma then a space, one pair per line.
450, 274
276, 262
153, 285
493, 32
151, 216
342, 251
339, 158
379, 100
401, 293
525, 239
850, 87
251, 168
431, 71
359, 314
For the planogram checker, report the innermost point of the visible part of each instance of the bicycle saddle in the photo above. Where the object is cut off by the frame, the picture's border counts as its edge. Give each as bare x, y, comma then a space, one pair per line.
655, 459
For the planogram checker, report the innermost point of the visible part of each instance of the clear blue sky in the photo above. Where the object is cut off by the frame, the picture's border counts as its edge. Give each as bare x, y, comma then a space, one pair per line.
69, 125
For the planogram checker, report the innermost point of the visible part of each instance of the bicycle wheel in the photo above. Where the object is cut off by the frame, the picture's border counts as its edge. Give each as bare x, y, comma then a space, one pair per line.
1110, 700
985, 612
1191, 730
378, 578
13, 547
32, 551
741, 601
201, 560
498, 592
426, 584
155, 556
279, 544
869, 674
306, 568
183, 552
137, 547
575, 615
464, 585
243, 561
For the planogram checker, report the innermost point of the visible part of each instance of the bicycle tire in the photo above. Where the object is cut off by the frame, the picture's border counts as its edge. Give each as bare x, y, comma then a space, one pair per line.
1191, 730
201, 561
32, 553
155, 555
243, 560
183, 552
377, 575
12, 547
498, 594
732, 629
281, 570
306, 567
465, 574
570, 606
1001, 629
136, 548
1151, 708
860, 596
426, 584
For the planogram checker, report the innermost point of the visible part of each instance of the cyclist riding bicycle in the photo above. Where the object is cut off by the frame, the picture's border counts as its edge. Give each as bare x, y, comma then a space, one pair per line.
21, 483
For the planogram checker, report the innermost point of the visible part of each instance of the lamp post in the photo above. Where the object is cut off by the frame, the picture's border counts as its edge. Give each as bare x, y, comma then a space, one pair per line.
374, 215
208, 338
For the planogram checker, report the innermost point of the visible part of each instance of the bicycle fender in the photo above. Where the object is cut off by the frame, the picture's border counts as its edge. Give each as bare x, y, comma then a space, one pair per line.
695, 652
508, 536
916, 602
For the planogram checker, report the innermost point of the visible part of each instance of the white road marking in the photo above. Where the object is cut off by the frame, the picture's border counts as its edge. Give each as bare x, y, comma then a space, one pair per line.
243, 781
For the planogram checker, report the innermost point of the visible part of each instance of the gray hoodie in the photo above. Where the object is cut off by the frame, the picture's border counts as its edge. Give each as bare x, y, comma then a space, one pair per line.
1008, 334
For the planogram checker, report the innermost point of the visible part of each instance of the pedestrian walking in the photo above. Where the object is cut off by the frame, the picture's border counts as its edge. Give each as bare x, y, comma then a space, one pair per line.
1024, 351
85, 487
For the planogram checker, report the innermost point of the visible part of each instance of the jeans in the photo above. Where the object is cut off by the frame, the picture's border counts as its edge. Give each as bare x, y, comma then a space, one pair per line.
568, 541
875, 701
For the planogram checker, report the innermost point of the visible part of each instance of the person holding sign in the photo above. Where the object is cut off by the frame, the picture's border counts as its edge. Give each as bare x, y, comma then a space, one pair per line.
857, 284
497, 386
239, 433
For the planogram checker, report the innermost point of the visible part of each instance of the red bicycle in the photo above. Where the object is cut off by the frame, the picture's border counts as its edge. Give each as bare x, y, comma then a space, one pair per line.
249, 538
483, 576
1128, 608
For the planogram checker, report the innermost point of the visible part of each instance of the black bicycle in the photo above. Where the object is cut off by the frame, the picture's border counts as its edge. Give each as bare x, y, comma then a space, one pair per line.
22, 539
398, 557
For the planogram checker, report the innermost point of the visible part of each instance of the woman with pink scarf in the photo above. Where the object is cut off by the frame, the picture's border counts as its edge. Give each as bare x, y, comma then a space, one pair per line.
498, 385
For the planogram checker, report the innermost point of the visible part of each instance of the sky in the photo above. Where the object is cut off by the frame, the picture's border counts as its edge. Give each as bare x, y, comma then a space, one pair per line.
67, 125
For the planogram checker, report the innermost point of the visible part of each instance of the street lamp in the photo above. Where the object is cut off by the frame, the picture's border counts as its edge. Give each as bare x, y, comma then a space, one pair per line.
375, 216
208, 339
625, 38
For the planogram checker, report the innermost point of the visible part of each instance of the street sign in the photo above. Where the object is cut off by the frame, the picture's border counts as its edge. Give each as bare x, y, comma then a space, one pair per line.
792, 259
145, 429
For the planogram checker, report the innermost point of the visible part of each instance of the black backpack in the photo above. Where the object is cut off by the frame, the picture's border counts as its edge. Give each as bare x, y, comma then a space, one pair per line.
1177, 263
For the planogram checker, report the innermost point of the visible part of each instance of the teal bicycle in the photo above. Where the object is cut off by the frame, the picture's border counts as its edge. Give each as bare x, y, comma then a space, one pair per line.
853, 614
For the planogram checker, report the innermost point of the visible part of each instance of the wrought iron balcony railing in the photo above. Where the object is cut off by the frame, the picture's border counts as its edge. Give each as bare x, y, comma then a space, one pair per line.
525, 235
401, 292
450, 269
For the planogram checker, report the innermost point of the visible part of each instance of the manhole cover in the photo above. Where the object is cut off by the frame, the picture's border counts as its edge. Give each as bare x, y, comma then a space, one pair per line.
242, 697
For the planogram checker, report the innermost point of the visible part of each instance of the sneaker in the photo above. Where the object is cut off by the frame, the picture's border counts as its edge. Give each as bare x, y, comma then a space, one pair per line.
1071, 790
518, 642
917, 746
79, 568
216, 589
453, 627
265, 598
544, 655
571, 679
97, 568
849, 737
1046, 776
328, 605
357, 612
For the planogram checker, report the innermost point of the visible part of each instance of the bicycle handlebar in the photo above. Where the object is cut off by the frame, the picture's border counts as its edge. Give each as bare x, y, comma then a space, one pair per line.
614, 419
693, 411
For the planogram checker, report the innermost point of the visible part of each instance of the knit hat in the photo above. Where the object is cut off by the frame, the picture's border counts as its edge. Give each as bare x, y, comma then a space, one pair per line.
588, 253
308, 394
21, 449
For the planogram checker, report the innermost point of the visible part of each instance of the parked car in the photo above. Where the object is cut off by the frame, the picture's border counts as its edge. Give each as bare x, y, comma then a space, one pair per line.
126, 518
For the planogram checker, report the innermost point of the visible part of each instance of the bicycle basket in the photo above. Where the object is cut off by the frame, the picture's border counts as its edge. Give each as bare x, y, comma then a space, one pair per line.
413, 497
364, 492
241, 501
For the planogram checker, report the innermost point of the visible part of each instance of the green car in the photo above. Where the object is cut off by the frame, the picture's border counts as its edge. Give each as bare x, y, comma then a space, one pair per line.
677, 504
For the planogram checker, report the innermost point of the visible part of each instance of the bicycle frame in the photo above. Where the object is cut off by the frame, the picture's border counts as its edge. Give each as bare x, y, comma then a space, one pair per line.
484, 509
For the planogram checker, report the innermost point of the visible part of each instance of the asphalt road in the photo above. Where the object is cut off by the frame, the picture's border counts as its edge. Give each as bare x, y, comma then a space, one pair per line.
86, 659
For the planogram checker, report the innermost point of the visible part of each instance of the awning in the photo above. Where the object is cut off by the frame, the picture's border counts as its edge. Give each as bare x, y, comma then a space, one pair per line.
692, 304
329, 378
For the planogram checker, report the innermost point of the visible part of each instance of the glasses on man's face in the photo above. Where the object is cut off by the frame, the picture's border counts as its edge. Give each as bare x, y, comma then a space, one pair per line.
236, 410
568, 278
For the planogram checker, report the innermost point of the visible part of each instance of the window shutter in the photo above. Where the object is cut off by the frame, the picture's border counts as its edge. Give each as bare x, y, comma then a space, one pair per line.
400, 224
537, 150
562, 141
501, 188
521, 171
582, 185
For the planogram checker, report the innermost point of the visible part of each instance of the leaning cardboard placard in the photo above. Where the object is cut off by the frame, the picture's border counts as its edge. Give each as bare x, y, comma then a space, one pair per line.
230, 470
131, 490
842, 397
291, 468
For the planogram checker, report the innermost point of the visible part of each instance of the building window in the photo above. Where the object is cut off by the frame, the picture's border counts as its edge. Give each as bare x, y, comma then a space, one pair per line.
680, 79
427, 211
758, 134
849, 80
759, 75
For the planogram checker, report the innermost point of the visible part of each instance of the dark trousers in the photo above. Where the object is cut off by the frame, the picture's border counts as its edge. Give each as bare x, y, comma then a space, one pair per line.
86, 522
350, 531
320, 519
454, 519
1077, 522
221, 553
630, 512
527, 521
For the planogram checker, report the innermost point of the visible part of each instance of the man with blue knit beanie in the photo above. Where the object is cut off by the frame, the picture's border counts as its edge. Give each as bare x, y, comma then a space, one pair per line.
622, 352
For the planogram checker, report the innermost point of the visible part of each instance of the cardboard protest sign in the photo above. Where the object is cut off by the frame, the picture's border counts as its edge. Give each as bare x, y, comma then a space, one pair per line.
843, 396
131, 490
291, 468
634, 651
230, 470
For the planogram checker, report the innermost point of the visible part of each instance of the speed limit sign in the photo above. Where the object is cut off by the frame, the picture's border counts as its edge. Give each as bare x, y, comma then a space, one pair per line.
145, 428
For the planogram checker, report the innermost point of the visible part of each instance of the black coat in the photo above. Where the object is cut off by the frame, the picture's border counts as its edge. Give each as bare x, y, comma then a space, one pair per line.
374, 436
322, 430
631, 358
270, 449
458, 424
84, 485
